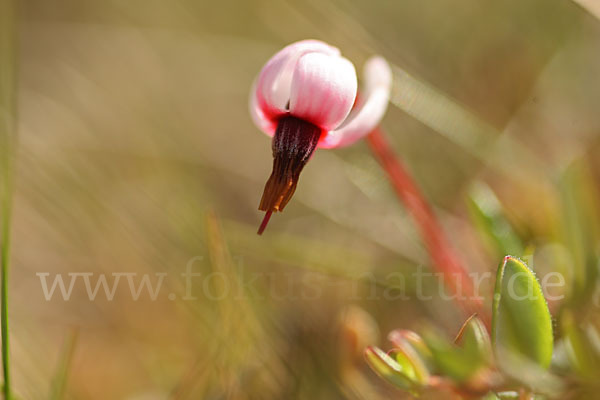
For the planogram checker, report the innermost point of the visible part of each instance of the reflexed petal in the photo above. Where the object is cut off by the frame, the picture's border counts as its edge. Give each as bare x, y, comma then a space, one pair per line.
271, 93
372, 105
323, 89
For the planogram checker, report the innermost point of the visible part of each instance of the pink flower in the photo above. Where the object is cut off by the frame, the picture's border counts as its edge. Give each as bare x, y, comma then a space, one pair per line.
306, 97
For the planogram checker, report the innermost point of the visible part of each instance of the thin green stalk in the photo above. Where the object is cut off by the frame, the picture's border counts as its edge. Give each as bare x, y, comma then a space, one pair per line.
4, 297
7, 147
4, 265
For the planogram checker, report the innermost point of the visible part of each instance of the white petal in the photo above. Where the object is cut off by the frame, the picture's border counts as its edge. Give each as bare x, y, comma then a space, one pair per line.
373, 102
323, 89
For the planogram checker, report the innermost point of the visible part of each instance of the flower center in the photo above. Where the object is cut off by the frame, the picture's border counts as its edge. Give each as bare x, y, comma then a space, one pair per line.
294, 143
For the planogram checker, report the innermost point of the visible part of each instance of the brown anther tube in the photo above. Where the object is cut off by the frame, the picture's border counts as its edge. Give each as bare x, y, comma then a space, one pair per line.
294, 143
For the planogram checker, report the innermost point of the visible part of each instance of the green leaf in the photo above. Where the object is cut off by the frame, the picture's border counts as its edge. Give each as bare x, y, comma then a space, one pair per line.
59, 383
488, 217
521, 321
399, 372
453, 361
412, 346
475, 340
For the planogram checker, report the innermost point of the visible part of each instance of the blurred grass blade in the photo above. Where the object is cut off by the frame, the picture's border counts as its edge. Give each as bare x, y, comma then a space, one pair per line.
528, 373
7, 140
343, 261
521, 321
579, 349
235, 311
488, 216
503, 396
398, 373
490, 396
580, 228
59, 383
591, 6
507, 395
460, 125
513, 396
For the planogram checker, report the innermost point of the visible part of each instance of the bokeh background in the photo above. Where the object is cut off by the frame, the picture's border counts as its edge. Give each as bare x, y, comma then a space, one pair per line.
136, 154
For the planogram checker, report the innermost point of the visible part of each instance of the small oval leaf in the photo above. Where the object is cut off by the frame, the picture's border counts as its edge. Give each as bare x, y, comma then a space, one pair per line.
411, 345
521, 321
475, 340
489, 219
400, 374
451, 360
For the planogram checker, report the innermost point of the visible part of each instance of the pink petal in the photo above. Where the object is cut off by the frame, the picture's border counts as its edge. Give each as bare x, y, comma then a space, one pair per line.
323, 89
368, 113
265, 123
271, 91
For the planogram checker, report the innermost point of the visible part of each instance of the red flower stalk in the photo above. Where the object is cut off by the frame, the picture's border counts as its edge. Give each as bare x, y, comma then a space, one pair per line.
306, 97
443, 257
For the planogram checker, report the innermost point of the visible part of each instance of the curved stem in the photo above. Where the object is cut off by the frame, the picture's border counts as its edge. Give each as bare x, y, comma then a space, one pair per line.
442, 255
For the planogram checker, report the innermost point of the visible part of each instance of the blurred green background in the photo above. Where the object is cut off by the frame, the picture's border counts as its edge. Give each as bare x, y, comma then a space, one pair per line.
137, 154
